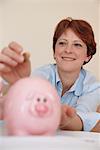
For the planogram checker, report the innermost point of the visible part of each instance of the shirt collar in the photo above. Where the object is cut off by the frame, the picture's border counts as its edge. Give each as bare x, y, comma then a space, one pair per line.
77, 88
78, 85
57, 75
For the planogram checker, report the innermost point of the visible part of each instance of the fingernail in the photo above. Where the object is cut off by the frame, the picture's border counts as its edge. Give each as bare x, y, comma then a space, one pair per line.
21, 58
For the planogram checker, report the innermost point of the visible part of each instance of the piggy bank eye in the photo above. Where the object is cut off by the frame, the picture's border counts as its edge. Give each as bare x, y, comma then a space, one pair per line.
38, 99
45, 100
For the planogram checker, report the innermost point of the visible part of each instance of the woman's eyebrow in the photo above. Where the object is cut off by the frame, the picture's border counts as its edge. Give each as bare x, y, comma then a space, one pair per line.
62, 39
78, 41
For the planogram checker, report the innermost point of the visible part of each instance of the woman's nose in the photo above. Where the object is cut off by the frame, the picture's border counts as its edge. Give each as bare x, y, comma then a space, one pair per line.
68, 49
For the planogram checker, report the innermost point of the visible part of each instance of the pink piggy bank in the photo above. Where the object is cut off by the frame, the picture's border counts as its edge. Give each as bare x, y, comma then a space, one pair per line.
32, 107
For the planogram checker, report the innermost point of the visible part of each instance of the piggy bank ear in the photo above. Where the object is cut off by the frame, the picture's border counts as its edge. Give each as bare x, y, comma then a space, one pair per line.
30, 95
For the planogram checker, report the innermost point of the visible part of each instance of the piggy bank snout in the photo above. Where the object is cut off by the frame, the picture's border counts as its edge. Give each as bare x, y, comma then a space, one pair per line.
41, 108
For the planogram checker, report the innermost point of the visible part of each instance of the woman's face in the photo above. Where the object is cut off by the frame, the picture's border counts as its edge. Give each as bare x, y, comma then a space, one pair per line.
70, 52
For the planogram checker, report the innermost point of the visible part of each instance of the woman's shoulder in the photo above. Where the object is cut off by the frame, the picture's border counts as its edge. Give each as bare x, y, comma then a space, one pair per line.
45, 70
89, 77
90, 81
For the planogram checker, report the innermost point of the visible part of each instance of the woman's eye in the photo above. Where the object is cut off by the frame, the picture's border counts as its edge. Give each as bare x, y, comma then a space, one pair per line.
78, 45
62, 43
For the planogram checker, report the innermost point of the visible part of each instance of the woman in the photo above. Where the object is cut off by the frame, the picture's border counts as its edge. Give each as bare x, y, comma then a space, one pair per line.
73, 47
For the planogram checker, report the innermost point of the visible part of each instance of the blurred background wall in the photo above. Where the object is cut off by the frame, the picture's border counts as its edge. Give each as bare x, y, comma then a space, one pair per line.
32, 24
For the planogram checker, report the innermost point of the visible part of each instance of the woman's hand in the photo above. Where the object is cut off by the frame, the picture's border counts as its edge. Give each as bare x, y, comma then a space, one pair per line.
14, 64
69, 119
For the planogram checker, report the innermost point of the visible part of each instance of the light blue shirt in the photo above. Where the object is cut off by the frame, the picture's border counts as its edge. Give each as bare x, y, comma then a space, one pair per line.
84, 95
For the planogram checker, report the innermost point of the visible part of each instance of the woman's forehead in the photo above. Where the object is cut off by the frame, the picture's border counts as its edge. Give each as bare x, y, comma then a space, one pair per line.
69, 34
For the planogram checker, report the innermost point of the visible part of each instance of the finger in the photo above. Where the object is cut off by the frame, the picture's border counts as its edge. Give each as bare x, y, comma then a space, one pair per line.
4, 68
7, 60
71, 112
26, 56
64, 112
65, 108
13, 55
16, 47
68, 110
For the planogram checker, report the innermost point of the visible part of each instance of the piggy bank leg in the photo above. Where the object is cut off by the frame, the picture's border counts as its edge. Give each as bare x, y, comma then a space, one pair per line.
18, 133
49, 133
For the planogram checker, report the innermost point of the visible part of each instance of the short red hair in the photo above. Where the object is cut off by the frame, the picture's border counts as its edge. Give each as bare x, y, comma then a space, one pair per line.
81, 28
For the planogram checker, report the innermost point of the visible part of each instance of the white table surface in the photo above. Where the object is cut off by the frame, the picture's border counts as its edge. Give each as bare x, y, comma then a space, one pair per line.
63, 140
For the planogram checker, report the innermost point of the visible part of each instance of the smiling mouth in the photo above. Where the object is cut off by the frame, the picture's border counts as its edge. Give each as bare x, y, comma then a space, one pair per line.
68, 58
